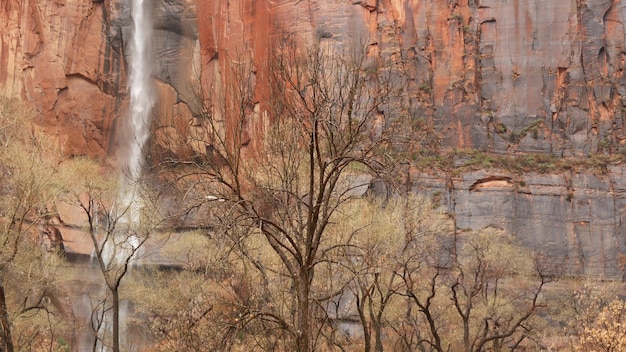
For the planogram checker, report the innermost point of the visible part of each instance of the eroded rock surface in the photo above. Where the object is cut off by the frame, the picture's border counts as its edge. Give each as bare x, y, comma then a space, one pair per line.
501, 76
575, 219
64, 57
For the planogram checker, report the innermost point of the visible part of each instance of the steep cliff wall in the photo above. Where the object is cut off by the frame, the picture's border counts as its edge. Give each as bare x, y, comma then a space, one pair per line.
576, 219
509, 77
492, 69
486, 72
65, 58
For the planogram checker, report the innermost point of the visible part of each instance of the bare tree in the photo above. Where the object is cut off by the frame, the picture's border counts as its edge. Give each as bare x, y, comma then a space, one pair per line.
487, 287
413, 276
325, 107
118, 225
495, 291
28, 175
395, 241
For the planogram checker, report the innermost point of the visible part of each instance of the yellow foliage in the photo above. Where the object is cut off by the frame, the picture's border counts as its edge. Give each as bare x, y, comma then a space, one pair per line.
607, 333
29, 175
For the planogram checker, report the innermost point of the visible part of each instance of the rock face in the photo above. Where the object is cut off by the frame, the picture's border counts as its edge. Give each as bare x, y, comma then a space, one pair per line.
62, 57
575, 219
518, 76
502, 76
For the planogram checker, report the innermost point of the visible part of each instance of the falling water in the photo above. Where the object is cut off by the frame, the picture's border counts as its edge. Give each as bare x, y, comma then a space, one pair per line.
142, 98
141, 103
119, 247
141, 90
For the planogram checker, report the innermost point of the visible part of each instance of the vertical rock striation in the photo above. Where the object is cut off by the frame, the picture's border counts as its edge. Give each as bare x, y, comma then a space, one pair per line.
485, 72
65, 58
508, 77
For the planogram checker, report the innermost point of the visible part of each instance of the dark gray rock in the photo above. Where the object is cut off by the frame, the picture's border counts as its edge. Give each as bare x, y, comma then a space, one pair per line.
576, 220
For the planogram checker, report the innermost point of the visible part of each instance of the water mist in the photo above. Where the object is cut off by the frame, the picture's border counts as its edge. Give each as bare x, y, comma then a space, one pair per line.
141, 88
142, 99
121, 246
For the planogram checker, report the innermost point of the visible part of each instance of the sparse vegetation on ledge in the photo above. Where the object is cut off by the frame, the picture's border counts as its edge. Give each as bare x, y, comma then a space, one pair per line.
459, 161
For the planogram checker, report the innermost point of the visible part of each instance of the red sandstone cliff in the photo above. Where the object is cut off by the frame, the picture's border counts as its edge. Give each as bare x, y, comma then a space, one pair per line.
485, 71
502, 76
514, 76
61, 57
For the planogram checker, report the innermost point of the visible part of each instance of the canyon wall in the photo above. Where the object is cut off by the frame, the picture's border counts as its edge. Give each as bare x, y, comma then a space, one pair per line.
502, 76
65, 59
508, 77
577, 220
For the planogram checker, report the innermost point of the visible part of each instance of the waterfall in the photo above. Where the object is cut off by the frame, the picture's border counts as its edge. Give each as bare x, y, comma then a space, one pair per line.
119, 245
141, 90
142, 100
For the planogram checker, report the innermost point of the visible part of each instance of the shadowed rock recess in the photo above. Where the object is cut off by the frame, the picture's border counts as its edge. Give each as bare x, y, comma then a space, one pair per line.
502, 77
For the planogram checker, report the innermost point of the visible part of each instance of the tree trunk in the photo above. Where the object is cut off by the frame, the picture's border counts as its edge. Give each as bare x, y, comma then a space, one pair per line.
375, 318
303, 326
116, 320
367, 337
378, 334
7, 339
466, 334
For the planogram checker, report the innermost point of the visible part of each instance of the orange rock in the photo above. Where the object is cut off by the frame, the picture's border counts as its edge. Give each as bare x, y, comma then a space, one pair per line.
468, 66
